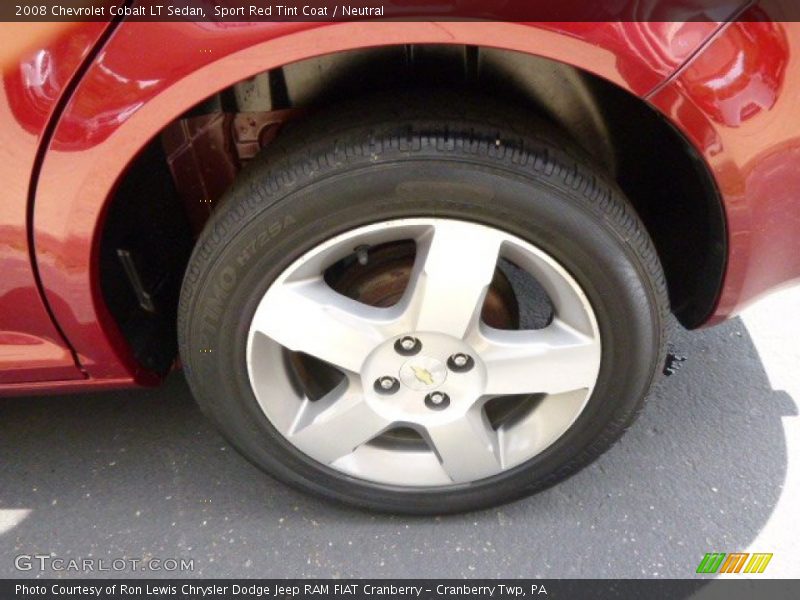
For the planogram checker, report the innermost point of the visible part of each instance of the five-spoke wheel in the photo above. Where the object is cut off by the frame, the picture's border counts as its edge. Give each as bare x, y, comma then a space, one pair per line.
426, 366
427, 306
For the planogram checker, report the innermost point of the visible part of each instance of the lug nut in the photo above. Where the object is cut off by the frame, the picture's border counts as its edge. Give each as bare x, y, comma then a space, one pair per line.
437, 400
408, 345
460, 362
386, 385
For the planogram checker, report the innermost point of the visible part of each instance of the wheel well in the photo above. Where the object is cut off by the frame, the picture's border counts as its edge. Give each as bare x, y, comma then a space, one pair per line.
171, 188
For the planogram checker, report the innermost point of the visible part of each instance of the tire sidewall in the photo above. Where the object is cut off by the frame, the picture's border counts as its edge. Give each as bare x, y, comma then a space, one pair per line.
551, 217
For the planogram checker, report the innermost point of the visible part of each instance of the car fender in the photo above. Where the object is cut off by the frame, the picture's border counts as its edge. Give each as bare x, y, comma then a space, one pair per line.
147, 74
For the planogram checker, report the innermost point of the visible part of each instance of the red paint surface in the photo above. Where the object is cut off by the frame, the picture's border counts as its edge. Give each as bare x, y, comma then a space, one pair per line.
31, 348
734, 102
122, 103
739, 103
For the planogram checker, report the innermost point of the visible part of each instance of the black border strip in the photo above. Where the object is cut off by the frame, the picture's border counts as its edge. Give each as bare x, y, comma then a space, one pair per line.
238, 11
397, 589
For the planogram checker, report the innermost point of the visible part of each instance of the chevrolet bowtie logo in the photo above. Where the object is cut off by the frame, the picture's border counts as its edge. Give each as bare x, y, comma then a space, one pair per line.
423, 375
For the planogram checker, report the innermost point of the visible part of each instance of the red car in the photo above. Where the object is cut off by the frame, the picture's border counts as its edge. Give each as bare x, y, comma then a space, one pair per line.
417, 267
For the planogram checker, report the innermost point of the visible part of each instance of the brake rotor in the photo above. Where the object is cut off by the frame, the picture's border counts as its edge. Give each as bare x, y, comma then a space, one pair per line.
383, 279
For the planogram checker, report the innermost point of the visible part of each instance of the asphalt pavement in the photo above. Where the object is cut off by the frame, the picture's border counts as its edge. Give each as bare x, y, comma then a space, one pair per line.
712, 465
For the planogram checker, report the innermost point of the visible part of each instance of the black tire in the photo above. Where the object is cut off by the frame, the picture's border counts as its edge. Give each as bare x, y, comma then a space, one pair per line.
341, 169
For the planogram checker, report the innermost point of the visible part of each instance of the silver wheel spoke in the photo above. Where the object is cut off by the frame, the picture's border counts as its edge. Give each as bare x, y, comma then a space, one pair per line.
394, 359
455, 265
468, 448
308, 316
336, 424
552, 360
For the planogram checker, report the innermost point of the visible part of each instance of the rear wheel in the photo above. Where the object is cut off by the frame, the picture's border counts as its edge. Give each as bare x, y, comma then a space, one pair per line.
431, 311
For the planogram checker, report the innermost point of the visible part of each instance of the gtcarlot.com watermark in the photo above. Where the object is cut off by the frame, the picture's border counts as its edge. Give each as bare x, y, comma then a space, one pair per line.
57, 564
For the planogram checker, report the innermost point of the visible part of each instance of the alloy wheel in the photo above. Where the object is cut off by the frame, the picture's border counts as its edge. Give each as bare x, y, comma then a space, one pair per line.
407, 389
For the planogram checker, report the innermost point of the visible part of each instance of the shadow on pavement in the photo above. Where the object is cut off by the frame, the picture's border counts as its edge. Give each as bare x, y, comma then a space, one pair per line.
142, 474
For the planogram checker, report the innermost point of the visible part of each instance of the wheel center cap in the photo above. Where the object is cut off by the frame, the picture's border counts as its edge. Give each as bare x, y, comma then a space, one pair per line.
423, 373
